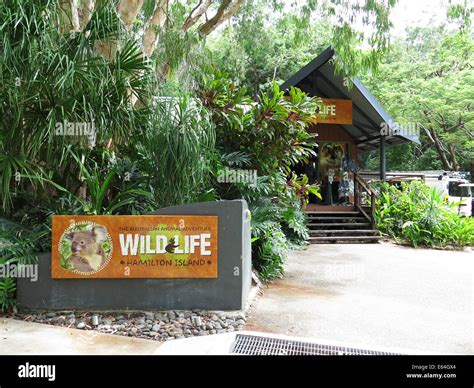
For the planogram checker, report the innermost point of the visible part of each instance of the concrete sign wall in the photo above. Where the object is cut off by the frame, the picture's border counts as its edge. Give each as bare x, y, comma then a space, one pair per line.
229, 291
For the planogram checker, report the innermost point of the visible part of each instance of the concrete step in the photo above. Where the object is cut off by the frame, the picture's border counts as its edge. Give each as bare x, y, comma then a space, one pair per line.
347, 224
336, 218
343, 231
329, 214
345, 239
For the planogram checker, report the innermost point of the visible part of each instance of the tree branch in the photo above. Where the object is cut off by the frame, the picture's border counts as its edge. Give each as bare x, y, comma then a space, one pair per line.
87, 9
200, 10
232, 10
225, 11
460, 123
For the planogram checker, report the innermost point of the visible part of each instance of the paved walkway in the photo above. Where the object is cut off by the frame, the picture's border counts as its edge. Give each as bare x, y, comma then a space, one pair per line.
25, 338
374, 294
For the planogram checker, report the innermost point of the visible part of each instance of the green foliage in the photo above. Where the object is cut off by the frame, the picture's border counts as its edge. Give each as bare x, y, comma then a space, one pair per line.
105, 196
271, 40
267, 135
294, 224
271, 250
302, 188
18, 246
65, 253
175, 152
272, 129
7, 293
417, 214
47, 78
427, 81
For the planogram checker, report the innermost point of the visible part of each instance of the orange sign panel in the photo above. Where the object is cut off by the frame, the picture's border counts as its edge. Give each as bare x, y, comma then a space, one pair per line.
134, 247
334, 111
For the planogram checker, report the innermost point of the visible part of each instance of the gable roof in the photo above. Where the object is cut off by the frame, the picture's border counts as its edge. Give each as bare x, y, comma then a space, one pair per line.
318, 78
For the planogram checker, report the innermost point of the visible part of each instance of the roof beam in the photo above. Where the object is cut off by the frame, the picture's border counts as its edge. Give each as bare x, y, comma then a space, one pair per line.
360, 125
315, 64
372, 138
365, 133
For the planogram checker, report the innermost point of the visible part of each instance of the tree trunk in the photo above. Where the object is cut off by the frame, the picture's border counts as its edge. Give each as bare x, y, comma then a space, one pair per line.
128, 11
66, 24
440, 149
86, 12
453, 157
157, 22
76, 27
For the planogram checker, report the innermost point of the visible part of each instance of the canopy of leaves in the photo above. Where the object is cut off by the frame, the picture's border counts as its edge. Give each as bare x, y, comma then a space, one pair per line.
264, 43
427, 80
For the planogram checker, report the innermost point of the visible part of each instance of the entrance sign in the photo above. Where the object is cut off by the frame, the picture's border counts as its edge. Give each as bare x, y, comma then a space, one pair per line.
334, 111
148, 246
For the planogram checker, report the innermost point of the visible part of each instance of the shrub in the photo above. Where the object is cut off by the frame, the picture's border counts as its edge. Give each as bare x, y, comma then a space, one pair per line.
267, 135
417, 214
18, 245
269, 243
176, 150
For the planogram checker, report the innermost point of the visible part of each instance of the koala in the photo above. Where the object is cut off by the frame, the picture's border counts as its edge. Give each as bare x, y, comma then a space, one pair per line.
171, 246
86, 247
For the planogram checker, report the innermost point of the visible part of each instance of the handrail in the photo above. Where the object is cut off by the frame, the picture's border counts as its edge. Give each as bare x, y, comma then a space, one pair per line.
363, 183
394, 175
359, 181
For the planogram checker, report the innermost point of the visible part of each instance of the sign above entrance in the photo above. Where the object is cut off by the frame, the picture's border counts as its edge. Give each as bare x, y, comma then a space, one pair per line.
334, 111
134, 247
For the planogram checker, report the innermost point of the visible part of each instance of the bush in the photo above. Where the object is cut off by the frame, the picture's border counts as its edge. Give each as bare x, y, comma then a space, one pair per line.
148, 149
18, 245
267, 135
417, 214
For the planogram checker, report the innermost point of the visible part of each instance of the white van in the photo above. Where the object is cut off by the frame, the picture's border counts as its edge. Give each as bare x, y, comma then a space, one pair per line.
455, 189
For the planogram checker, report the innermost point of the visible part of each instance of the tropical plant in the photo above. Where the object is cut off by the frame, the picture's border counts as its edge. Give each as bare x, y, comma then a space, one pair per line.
175, 152
53, 83
271, 130
18, 246
104, 194
417, 214
270, 40
7, 294
432, 68
266, 137
302, 188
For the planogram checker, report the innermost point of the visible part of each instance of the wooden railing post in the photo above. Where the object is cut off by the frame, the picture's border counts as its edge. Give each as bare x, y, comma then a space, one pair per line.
372, 208
356, 191
359, 185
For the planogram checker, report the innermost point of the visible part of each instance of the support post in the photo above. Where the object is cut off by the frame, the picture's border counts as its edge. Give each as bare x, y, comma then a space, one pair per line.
383, 161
